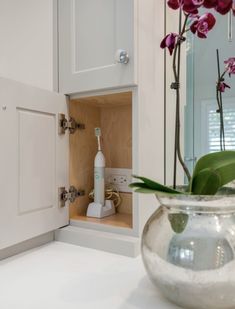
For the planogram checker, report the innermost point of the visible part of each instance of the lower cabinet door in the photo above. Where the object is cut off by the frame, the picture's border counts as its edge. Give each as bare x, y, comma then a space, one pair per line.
33, 162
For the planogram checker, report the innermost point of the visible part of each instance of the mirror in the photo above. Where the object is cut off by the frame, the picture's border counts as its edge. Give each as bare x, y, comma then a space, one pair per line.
200, 125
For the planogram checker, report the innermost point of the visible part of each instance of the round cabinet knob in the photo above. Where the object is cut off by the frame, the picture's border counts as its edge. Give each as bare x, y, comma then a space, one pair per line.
122, 56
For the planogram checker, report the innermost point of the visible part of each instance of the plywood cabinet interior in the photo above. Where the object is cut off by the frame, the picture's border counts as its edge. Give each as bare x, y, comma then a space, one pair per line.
113, 114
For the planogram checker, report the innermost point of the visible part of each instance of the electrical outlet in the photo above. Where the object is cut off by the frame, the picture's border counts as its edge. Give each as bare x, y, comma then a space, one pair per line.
119, 177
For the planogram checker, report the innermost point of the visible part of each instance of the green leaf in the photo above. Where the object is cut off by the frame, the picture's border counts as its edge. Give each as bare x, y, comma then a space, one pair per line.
218, 169
152, 185
206, 182
138, 184
146, 191
141, 187
178, 222
214, 160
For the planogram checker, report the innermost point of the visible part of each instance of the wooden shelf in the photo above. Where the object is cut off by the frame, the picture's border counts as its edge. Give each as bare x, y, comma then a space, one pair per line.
117, 220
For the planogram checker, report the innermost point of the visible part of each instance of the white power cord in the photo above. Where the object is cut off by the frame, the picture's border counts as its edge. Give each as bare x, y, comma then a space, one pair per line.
111, 193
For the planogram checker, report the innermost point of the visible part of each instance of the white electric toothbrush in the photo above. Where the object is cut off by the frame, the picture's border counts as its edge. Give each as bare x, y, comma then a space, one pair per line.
100, 207
99, 183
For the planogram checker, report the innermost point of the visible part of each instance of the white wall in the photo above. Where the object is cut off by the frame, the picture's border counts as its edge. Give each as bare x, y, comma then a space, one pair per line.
26, 41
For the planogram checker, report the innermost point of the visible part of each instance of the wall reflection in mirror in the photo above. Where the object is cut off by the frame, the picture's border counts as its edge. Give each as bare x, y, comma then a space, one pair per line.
202, 125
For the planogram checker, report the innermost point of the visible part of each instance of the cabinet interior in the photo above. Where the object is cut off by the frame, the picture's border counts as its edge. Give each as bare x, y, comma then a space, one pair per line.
113, 114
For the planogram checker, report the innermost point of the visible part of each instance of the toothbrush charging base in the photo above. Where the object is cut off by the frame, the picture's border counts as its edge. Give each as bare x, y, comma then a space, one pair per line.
97, 210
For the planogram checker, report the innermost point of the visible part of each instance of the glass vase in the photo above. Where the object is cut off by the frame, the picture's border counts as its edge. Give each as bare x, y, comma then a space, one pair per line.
188, 249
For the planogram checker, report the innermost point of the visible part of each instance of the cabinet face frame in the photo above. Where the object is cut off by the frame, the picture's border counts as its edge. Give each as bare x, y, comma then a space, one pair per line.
149, 104
111, 75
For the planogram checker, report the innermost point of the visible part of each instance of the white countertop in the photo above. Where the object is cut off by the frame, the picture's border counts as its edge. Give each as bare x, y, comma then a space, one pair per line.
63, 276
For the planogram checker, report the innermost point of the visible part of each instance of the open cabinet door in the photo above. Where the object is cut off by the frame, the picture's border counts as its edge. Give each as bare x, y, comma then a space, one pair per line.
33, 162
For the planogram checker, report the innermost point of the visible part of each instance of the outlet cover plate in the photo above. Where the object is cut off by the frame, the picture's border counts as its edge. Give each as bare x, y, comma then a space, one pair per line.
120, 178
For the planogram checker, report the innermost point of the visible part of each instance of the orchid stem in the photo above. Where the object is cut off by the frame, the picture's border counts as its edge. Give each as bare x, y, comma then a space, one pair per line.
176, 71
220, 102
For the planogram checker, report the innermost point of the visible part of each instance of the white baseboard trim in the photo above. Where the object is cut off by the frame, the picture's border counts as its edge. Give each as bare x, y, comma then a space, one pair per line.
26, 245
99, 240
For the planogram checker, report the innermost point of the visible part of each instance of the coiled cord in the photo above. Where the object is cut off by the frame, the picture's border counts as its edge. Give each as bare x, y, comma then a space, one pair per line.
111, 193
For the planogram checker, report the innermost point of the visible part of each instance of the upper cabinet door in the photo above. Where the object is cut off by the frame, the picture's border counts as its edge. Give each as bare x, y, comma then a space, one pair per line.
96, 38
33, 162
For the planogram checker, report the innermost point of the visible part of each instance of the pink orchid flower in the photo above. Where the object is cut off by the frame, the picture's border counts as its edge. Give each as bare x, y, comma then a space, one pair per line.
170, 41
224, 6
188, 6
191, 6
210, 4
203, 24
222, 86
230, 65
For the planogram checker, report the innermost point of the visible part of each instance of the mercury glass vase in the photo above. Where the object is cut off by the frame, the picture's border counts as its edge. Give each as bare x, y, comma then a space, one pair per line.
188, 249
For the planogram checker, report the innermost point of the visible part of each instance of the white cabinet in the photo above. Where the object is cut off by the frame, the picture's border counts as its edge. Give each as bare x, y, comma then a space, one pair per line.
93, 38
27, 44
33, 162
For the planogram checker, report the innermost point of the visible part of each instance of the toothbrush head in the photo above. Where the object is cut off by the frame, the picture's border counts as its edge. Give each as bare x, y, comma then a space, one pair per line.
97, 132
98, 135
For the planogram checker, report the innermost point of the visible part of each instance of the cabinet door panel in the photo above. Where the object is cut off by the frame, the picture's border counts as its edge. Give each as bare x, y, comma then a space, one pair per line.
33, 162
95, 43
37, 160
90, 33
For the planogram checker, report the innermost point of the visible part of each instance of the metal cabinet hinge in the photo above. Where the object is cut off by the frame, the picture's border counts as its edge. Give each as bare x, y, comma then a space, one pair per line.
71, 195
71, 125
